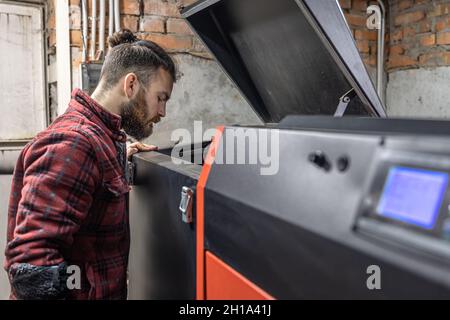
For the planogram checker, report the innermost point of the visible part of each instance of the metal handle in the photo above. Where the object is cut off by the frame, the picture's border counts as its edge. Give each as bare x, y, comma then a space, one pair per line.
187, 195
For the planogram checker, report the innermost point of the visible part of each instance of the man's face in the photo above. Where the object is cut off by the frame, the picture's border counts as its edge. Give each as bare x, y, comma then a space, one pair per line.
148, 107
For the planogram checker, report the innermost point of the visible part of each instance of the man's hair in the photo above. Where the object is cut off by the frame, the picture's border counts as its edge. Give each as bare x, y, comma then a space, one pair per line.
129, 54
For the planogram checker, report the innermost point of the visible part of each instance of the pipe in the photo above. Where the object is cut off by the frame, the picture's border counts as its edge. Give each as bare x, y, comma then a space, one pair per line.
84, 32
111, 17
117, 15
93, 28
380, 53
380, 64
377, 20
64, 65
101, 28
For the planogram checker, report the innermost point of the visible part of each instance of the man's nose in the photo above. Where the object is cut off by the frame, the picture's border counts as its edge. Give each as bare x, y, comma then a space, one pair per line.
162, 111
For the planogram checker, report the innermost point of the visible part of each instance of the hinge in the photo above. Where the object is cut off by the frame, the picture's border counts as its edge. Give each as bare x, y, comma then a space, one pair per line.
343, 102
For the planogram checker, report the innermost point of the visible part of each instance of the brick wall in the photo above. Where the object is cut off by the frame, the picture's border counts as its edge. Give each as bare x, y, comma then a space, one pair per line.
156, 20
420, 34
160, 21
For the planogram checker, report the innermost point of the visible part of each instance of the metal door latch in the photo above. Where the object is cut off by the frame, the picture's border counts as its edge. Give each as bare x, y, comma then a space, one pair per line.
130, 173
187, 195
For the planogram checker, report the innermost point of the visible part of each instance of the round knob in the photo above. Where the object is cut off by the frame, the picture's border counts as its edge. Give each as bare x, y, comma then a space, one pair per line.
343, 163
320, 159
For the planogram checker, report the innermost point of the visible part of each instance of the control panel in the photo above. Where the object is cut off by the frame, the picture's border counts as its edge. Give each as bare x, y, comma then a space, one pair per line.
407, 203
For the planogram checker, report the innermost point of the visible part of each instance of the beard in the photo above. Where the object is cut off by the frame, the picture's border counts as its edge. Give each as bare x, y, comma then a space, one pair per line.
135, 118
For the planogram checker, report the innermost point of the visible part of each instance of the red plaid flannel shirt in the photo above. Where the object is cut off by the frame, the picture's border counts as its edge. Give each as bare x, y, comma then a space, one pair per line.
69, 200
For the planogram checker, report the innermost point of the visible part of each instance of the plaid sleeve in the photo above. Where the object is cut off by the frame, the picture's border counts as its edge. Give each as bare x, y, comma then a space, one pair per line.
60, 178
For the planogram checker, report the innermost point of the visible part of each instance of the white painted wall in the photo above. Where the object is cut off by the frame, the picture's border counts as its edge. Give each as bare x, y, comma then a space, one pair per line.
203, 93
22, 75
419, 93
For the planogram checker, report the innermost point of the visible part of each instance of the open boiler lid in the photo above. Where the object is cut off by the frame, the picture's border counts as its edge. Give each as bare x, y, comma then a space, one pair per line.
287, 57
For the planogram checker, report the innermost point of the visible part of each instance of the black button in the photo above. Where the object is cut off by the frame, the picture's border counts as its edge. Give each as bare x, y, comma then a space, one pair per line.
320, 159
343, 163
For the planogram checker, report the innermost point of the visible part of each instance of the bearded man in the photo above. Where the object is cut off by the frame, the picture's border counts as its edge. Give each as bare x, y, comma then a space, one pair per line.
68, 206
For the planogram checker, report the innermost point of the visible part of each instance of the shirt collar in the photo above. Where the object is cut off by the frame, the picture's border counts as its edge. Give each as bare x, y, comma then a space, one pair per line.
112, 121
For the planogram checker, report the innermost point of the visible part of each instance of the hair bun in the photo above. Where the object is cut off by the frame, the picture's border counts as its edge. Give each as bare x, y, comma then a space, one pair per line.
121, 37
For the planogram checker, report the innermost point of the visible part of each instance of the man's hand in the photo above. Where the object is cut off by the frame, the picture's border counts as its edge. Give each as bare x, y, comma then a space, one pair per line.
139, 147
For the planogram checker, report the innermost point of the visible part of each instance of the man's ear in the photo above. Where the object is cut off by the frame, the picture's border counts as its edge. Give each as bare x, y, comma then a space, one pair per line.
131, 85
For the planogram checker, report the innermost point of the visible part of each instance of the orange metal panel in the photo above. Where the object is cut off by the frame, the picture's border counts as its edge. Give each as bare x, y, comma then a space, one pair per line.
201, 214
225, 283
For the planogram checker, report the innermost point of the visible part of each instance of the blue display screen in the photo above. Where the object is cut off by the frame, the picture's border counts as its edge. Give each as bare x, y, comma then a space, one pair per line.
413, 196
